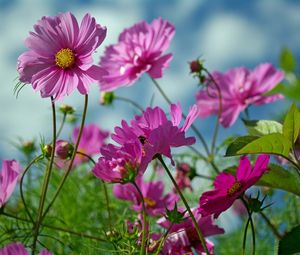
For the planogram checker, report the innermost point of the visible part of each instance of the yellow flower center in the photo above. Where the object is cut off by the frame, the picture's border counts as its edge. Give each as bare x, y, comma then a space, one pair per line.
149, 202
234, 188
65, 58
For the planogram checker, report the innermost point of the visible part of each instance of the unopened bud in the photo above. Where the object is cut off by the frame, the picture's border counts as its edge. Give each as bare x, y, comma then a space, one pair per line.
66, 109
106, 98
196, 67
28, 147
64, 149
47, 150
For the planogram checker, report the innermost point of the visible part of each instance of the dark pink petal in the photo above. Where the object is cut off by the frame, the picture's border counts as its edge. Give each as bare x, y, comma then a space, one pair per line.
14, 249
190, 118
224, 181
176, 113
244, 169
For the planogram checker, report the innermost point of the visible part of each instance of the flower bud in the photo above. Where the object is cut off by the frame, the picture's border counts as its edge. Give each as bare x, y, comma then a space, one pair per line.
28, 147
47, 150
174, 215
63, 149
196, 67
66, 109
106, 98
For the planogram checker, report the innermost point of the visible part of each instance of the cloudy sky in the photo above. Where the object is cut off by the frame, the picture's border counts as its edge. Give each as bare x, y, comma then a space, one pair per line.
225, 33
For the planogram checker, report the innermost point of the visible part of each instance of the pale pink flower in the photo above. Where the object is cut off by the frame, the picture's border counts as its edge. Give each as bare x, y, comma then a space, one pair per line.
183, 237
9, 174
19, 249
229, 187
59, 59
239, 88
91, 141
155, 201
140, 50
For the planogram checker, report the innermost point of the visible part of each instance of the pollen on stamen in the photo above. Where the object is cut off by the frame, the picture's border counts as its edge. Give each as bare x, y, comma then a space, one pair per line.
234, 188
149, 202
65, 58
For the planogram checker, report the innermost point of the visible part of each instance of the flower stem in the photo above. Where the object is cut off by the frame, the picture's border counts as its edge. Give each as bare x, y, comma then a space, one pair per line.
252, 227
39, 217
35, 160
62, 182
61, 125
163, 239
104, 187
220, 110
271, 226
136, 105
60, 229
186, 204
143, 248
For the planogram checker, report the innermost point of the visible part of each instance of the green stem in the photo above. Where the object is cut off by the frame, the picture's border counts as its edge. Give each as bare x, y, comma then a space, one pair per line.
35, 160
61, 125
271, 226
186, 205
61, 184
204, 177
220, 110
245, 237
163, 239
104, 187
251, 224
143, 248
39, 217
56, 228
136, 105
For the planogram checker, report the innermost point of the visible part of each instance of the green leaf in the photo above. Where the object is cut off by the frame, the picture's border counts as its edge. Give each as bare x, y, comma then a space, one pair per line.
291, 125
274, 143
262, 127
276, 178
290, 243
287, 60
238, 144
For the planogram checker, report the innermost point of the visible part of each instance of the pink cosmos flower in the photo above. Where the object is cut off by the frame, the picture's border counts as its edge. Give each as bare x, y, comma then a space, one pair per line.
92, 139
140, 49
240, 88
9, 174
182, 176
183, 236
155, 202
229, 187
19, 249
59, 59
119, 164
156, 133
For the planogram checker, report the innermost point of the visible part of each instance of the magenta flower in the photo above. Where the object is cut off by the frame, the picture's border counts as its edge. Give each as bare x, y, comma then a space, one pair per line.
138, 51
19, 249
155, 202
92, 139
240, 88
59, 59
183, 237
156, 133
119, 164
9, 174
229, 187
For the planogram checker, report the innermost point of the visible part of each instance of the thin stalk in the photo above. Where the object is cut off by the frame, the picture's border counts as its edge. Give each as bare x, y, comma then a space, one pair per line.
136, 105
104, 187
61, 125
220, 110
204, 177
186, 205
39, 217
35, 160
251, 224
245, 237
143, 248
271, 226
163, 239
56, 228
61, 184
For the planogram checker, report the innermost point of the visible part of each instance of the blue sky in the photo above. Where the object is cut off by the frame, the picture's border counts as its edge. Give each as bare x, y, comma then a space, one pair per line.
225, 33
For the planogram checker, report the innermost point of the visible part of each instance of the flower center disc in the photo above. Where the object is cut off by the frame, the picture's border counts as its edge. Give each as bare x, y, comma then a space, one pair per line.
149, 202
65, 58
234, 188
